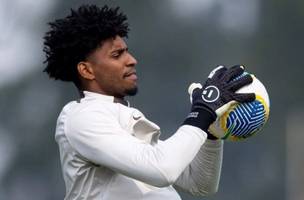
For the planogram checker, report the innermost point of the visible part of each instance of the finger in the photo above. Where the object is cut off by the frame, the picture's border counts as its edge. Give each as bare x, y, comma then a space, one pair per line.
194, 86
221, 110
233, 72
239, 83
244, 97
217, 72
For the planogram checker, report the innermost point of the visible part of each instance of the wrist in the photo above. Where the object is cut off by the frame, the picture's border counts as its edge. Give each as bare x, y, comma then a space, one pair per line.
202, 118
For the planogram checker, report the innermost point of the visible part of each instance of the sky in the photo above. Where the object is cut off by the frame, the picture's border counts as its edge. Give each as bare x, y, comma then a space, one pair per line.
21, 37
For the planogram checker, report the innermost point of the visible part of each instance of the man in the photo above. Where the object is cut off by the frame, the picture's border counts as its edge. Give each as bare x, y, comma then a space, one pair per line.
108, 149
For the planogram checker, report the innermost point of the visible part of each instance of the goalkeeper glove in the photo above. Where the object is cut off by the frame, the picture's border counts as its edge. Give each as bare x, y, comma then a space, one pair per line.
216, 96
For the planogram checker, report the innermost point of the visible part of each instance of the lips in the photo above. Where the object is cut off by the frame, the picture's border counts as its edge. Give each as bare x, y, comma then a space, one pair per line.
131, 75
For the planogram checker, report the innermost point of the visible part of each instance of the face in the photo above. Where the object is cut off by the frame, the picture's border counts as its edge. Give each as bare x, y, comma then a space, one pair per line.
113, 69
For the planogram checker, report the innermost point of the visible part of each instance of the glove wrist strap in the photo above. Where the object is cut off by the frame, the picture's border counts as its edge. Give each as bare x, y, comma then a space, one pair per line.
200, 117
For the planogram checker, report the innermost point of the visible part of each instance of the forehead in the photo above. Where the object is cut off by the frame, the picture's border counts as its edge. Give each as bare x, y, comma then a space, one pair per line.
113, 44
108, 47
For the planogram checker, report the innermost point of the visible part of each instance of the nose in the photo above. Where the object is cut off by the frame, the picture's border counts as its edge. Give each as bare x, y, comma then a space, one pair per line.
131, 60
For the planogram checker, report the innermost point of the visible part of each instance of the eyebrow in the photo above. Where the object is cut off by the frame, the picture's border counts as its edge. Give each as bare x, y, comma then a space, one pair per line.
120, 50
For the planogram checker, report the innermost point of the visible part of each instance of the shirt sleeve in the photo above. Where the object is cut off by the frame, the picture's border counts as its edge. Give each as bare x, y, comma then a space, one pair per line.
97, 136
202, 176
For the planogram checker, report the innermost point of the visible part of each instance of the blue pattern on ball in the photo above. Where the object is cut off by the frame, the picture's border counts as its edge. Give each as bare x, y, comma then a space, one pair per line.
246, 119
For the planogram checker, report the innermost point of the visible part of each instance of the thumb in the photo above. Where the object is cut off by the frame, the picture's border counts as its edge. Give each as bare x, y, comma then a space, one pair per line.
192, 87
221, 110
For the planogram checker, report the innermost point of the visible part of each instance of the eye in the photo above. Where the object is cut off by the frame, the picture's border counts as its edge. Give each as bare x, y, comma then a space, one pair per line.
117, 54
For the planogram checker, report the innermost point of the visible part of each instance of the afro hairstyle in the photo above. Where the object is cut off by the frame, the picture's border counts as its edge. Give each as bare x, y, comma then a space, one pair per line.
72, 39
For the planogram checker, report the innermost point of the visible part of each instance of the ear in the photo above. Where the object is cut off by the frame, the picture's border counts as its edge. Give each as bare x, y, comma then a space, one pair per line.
85, 70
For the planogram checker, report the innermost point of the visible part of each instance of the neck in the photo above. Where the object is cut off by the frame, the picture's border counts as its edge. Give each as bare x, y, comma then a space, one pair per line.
121, 101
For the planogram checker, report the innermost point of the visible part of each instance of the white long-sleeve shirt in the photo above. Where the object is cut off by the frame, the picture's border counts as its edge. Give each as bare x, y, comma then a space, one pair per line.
110, 151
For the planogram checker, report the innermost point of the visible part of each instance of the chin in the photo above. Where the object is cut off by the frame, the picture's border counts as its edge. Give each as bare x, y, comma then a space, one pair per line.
132, 91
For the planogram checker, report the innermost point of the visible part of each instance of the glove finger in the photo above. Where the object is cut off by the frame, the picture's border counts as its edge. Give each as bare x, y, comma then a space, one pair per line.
221, 110
196, 93
217, 72
192, 87
233, 72
238, 84
244, 97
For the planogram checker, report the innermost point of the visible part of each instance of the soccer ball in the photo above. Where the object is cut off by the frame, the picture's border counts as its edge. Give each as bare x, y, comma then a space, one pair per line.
243, 120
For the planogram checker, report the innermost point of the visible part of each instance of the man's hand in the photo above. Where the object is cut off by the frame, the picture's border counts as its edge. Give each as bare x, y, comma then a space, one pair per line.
217, 95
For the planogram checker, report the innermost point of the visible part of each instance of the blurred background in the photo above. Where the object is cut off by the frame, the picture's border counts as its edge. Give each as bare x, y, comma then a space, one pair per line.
175, 42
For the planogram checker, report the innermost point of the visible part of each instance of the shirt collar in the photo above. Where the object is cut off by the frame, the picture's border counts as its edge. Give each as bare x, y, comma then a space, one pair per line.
93, 95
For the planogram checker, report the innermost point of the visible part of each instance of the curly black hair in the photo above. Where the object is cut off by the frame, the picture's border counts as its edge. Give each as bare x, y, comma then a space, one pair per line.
73, 38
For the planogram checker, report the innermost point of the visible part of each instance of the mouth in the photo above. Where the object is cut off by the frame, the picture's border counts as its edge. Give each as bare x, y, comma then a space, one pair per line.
131, 75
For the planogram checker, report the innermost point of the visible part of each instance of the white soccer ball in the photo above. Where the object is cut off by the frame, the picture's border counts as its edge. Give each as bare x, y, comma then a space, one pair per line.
243, 120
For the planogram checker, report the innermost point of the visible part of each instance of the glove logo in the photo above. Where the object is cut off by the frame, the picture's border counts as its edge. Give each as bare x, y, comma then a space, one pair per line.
137, 115
210, 94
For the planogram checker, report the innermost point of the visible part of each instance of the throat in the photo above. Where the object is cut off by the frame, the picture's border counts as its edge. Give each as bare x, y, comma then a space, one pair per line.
121, 101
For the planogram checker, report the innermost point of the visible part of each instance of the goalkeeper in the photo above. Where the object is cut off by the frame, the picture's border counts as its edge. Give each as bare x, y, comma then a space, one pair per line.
110, 150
